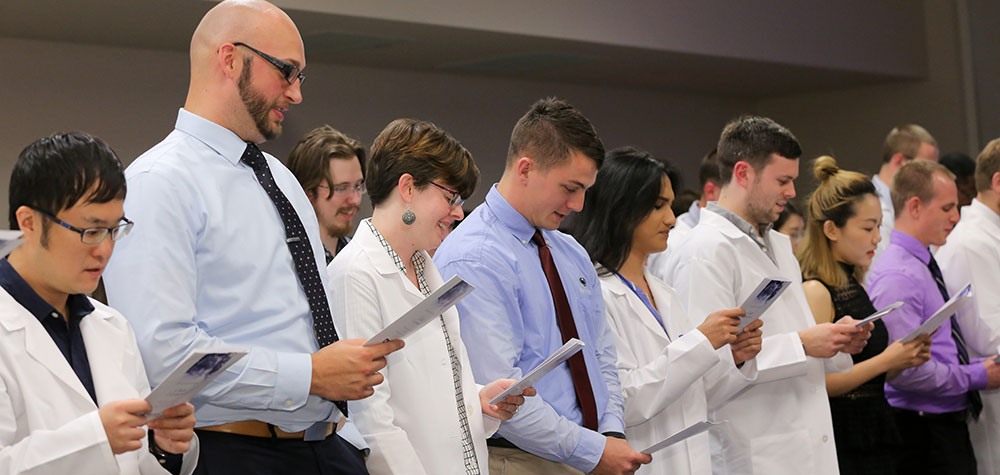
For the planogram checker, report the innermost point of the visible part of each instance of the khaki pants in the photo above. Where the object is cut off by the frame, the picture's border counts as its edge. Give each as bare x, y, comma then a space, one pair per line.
504, 461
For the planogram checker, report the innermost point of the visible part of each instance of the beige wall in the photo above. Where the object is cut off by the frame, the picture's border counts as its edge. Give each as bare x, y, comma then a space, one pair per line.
852, 124
130, 98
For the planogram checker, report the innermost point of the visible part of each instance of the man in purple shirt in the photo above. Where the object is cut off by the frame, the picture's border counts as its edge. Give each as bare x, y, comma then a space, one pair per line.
933, 401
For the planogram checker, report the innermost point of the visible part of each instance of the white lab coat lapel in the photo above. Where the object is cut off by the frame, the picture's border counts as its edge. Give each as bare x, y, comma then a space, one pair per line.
620, 290
40, 346
106, 345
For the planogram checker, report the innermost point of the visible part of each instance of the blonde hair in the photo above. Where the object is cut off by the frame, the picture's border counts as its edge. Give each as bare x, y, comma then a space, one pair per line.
833, 200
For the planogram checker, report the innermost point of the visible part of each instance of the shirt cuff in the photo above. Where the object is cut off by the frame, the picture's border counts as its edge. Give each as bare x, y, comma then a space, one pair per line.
977, 376
588, 451
294, 378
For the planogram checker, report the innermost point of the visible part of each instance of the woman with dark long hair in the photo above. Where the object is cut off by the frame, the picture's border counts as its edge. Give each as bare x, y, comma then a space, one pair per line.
671, 371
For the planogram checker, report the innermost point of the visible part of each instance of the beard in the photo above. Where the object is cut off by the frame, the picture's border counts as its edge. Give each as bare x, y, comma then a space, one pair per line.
341, 231
258, 107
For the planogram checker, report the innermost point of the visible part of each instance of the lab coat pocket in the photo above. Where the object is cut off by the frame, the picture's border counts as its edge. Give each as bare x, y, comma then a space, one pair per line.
782, 454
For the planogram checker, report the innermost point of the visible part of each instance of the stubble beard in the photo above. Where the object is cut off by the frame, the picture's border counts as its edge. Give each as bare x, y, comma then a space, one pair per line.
258, 107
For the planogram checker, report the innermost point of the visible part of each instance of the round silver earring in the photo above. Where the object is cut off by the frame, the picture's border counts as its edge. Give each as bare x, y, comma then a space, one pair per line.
408, 216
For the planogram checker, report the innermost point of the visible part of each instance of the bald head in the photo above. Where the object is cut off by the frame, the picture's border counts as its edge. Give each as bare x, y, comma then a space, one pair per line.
234, 86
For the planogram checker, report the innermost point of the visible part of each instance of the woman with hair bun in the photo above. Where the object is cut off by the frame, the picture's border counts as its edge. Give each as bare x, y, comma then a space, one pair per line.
842, 232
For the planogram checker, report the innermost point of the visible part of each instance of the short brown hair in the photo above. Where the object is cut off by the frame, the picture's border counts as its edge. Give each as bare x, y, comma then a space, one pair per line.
550, 131
905, 139
310, 159
753, 139
915, 178
987, 165
423, 150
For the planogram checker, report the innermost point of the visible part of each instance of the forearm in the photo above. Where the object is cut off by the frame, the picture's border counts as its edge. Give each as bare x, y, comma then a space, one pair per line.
841, 383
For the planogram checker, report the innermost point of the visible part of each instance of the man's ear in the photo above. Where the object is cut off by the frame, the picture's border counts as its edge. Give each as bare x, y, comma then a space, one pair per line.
27, 220
524, 166
743, 174
913, 207
229, 62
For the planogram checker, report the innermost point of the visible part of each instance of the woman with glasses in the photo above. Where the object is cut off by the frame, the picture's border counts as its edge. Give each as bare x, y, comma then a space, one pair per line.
429, 416
842, 233
671, 372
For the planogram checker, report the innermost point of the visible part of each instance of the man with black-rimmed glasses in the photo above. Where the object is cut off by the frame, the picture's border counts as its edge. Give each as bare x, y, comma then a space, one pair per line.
71, 378
230, 255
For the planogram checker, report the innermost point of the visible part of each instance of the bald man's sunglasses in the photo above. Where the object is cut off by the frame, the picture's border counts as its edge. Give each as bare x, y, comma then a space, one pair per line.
290, 71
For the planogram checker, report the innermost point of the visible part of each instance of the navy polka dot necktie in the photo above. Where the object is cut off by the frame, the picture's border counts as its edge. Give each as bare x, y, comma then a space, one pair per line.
301, 250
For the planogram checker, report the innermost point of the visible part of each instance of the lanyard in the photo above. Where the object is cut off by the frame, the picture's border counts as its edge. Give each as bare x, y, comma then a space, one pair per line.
645, 300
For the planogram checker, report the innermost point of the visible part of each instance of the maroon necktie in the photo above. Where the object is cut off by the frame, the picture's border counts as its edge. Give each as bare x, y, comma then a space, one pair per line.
567, 327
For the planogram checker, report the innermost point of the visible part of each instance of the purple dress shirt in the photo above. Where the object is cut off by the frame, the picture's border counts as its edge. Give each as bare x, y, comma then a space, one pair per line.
941, 384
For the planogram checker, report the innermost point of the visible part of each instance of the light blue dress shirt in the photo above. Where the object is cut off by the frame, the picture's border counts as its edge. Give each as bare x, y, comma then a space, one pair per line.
206, 265
509, 327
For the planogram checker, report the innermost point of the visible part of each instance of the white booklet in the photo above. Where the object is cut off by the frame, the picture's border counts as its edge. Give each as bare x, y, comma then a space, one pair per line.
766, 293
879, 314
428, 309
947, 310
693, 429
557, 358
190, 377
9, 240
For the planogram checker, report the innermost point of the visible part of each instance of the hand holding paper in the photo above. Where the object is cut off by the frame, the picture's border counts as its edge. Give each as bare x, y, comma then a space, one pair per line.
503, 410
190, 377
564, 352
765, 294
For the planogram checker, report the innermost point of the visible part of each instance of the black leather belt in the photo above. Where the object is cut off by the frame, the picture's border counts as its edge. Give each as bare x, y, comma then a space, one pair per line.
957, 416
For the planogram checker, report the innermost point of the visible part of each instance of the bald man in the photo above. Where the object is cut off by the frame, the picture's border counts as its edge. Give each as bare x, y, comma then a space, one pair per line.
228, 253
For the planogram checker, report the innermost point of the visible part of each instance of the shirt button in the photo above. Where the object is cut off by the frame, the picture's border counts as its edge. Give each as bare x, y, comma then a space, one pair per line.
468, 409
54, 315
524, 242
288, 403
825, 438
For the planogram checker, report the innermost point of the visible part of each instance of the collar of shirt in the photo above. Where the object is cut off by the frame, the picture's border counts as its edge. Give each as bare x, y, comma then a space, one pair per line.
77, 304
880, 186
911, 245
215, 136
985, 211
742, 224
509, 217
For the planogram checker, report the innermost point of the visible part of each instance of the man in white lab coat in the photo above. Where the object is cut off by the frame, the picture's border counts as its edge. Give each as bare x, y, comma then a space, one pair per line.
781, 424
972, 255
71, 378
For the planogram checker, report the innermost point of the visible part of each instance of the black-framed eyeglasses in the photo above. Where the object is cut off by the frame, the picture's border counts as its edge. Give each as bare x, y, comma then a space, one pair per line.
455, 199
92, 235
342, 188
289, 70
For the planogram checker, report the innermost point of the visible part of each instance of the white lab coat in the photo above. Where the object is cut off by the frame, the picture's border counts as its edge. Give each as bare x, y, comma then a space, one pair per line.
48, 422
411, 423
670, 382
972, 254
781, 424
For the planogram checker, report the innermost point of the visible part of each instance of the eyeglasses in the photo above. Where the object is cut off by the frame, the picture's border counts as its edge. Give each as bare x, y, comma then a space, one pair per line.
290, 71
455, 200
92, 235
358, 188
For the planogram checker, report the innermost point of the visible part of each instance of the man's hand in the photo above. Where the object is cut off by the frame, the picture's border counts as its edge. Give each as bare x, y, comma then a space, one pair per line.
992, 374
174, 430
123, 421
506, 408
748, 343
720, 327
620, 458
860, 336
346, 370
827, 339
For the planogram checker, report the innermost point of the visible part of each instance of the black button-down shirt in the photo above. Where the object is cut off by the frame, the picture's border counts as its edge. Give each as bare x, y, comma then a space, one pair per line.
65, 333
